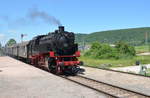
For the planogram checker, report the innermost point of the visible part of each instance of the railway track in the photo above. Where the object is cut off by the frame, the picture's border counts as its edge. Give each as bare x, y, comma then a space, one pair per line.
110, 90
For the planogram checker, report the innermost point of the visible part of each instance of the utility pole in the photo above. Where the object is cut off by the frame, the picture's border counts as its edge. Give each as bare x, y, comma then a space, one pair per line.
83, 44
146, 38
146, 41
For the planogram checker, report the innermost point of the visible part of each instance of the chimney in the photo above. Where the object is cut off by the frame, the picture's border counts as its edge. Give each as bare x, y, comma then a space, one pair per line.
61, 29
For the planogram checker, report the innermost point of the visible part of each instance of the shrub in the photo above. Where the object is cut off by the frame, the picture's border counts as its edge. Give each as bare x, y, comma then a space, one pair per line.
125, 49
105, 51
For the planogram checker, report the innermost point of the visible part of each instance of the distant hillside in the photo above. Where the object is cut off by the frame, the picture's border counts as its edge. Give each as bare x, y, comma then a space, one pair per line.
134, 36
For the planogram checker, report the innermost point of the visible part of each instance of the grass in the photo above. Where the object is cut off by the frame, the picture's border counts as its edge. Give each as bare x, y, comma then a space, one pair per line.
141, 49
124, 62
109, 63
148, 72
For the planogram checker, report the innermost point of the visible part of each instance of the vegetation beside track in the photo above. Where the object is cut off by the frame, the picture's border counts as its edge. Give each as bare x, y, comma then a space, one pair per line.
109, 63
122, 55
105, 51
142, 48
148, 72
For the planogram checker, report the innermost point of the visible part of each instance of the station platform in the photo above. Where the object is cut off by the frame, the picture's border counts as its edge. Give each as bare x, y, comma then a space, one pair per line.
20, 80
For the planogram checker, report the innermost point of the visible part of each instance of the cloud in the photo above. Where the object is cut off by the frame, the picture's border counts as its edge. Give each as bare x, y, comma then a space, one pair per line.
2, 36
12, 31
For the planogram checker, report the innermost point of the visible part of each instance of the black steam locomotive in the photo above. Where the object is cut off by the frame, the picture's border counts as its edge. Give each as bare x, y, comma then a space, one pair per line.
60, 41
55, 51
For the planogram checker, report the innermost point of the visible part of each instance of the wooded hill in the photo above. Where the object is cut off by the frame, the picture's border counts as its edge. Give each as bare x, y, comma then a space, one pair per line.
134, 36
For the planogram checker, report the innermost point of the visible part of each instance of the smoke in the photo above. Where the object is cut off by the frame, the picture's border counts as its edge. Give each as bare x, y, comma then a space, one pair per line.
35, 14
32, 16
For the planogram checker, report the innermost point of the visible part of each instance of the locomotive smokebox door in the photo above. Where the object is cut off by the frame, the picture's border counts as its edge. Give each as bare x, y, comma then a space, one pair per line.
61, 28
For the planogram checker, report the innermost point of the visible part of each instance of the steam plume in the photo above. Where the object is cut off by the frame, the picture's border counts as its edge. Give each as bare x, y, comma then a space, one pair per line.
35, 14
32, 15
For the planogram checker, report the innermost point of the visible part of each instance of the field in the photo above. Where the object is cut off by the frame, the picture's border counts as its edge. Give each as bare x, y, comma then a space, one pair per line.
109, 63
120, 62
143, 48
148, 72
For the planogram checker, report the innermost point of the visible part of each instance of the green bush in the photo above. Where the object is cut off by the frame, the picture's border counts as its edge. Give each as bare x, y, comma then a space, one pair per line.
125, 49
105, 51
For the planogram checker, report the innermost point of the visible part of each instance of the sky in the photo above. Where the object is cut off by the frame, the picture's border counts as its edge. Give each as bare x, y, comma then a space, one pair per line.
36, 17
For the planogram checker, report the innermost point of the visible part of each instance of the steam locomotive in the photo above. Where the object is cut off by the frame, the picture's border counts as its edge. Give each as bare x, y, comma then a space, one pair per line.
56, 51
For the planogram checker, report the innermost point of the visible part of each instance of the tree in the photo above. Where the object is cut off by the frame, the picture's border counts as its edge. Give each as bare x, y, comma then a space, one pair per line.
11, 42
100, 51
124, 48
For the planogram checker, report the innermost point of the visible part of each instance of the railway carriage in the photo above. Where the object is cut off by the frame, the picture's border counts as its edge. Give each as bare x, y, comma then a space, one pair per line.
22, 50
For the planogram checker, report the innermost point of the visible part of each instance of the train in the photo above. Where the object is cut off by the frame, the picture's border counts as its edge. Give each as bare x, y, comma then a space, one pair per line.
55, 51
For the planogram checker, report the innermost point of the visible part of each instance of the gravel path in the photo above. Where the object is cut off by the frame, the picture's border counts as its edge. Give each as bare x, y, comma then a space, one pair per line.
103, 87
20, 80
145, 53
131, 82
134, 69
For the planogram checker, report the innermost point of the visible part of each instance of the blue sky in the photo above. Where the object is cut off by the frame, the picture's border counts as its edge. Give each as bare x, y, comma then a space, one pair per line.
79, 16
